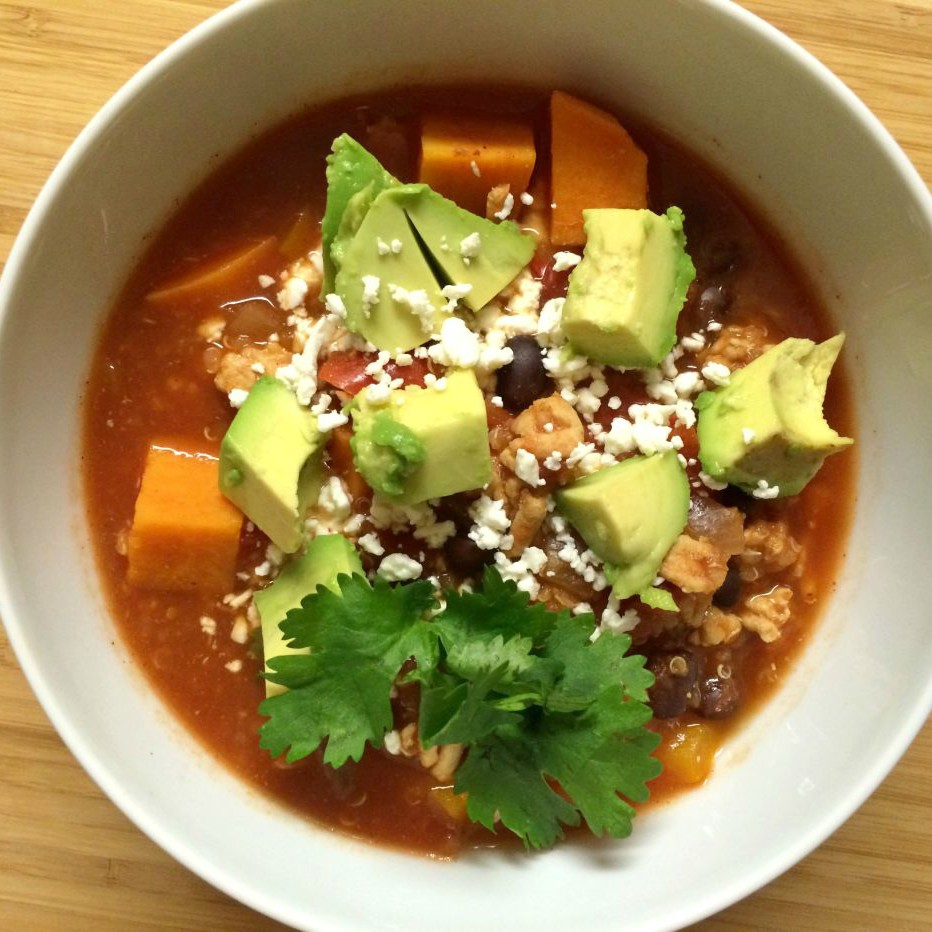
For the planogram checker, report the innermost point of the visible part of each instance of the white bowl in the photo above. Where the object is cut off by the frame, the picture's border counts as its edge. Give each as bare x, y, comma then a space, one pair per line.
738, 93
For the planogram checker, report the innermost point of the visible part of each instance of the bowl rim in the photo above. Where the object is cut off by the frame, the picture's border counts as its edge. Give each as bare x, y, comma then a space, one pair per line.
131, 803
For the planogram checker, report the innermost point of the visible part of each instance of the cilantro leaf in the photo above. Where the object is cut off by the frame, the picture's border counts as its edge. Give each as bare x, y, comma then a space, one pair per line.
498, 607
503, 781
553, 722
579, 745
359, 640
588, 666
598, 755
457, 712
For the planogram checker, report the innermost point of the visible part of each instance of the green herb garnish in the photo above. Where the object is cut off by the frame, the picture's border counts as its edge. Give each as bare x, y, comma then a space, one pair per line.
553, 722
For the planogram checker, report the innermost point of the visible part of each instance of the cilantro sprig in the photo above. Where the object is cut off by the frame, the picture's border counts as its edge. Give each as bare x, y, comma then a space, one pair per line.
553, 723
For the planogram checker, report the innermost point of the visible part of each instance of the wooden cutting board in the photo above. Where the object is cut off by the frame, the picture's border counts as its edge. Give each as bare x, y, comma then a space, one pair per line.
68, 858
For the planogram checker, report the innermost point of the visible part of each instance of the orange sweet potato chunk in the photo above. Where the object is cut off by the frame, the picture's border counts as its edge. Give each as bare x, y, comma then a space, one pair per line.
594, 163
185, 534
220, 276
501, 149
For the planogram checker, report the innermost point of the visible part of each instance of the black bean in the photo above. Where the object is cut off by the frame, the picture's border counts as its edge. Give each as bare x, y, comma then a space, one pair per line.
524, 379
718, 694
675, 676
728, 592
714, 301
464, 557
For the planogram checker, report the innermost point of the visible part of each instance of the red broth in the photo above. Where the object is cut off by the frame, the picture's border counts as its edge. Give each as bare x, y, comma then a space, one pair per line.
152, 378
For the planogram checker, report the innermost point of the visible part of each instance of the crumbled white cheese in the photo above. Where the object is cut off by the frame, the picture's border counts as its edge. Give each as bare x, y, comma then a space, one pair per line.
491, 524
239, 633
331, 420
237, 396
322, 405
333, 304
496, 401
454, 294
333, 499
550, 322
548, 427
748, 435
717, 373
371, 544
397, 245
208, 625
418, 303
234, 666
713, 326
292, 294
300, 375
266, 281
693, 343
526, 199
507, 206
687, 384
371, 285
764, 490
522, 571
470, 246
398, 567
458, 346
392, 742
565, 260
237, 599
382, 247
527, 469
526, 297
711, 483
614, 622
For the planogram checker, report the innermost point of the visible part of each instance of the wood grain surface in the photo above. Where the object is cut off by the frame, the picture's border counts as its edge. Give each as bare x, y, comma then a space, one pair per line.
68, 858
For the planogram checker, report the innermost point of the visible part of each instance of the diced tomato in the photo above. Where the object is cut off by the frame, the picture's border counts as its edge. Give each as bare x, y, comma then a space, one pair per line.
347, 371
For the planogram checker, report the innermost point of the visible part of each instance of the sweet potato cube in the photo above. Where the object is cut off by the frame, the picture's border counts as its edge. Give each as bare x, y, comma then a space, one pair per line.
594, 163
464, 156
185, 534
218, 277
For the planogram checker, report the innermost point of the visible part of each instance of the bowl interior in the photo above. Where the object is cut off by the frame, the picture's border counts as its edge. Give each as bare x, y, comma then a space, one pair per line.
733, 91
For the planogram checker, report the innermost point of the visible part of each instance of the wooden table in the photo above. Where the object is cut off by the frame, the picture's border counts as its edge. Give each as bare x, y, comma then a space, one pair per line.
68, 858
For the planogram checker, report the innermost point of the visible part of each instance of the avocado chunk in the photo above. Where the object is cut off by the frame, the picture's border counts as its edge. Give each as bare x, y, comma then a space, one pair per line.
271, 462
353, 174
765, 431
326, 558
498, 253
368, 280
390, 249
625, 295
424, 443
389, 450
630, 514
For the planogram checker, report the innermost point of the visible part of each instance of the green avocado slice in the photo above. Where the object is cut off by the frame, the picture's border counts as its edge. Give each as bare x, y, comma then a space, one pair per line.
765, 431
629, 514
625, 296
354, 179
271, 462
